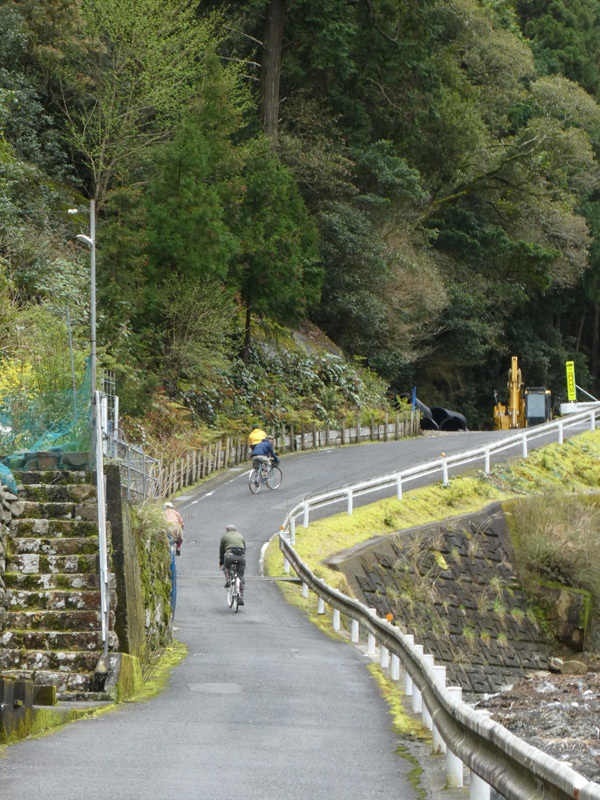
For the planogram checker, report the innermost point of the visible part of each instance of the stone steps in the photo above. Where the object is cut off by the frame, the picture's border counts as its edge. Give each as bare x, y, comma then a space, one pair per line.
72, 545
48, 660
51, 478
59, 493
54, 620
48, 581
52, 623
54, 528
77, 697
75, 682
33, 563
53, 640
52, 600
33, 510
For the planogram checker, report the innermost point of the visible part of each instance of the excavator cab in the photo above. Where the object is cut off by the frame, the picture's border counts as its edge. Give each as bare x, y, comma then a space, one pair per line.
538, 405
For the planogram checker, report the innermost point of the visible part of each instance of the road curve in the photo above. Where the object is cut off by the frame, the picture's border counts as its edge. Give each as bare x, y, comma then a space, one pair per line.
264, 698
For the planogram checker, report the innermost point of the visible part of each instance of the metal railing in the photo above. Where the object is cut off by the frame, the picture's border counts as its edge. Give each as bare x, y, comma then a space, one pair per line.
140, 474
496, 757
441, 466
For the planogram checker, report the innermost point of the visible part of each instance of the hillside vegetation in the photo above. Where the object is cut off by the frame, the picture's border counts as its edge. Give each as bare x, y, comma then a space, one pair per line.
418, 181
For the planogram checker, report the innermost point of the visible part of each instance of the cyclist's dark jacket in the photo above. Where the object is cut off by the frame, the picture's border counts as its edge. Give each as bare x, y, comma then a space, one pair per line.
230, 539
264, 448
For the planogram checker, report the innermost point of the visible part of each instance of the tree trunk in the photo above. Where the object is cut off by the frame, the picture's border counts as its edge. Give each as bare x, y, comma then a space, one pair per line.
246, 349
271, 67
595, 340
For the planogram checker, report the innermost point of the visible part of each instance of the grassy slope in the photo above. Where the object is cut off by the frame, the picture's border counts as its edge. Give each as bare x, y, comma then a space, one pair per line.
573, 467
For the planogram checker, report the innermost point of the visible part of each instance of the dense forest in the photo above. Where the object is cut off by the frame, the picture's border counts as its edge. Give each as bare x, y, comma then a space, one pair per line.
415, 179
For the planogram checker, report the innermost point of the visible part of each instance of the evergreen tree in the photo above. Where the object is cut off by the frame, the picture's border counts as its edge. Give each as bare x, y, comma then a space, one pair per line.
277, 271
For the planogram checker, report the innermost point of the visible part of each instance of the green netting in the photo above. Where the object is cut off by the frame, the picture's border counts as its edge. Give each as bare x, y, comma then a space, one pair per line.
50, 421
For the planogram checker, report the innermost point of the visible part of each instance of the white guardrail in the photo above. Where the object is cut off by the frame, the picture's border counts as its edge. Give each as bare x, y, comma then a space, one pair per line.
496, 757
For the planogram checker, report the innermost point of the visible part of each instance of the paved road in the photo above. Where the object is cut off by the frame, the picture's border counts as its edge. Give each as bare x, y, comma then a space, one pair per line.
264, 697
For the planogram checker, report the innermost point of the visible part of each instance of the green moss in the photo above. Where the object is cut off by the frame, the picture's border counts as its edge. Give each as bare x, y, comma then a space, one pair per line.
156, 678
130, 681
403, 725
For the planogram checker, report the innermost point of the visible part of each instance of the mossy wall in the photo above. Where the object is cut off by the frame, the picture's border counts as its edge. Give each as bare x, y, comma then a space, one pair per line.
10, 507
129, 622
155, 572
141, 563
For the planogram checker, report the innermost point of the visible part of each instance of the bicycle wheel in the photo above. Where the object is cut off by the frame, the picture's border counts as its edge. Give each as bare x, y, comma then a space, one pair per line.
236, 594
274, 478
255, 481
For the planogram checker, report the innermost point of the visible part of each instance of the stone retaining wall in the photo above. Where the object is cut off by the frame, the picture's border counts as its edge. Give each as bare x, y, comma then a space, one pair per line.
10, 508
452, 585
141, 563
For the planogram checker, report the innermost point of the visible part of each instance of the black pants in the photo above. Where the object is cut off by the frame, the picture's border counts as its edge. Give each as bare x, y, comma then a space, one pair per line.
228, 560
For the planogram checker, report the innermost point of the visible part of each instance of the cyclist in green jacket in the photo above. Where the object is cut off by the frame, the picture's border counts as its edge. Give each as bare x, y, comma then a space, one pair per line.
233, 548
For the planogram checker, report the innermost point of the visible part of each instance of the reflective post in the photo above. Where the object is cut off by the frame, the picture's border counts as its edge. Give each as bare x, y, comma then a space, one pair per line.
336, 619
425, 715
454, 766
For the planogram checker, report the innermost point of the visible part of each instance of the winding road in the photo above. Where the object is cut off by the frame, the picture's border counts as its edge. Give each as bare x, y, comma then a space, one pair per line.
265, 705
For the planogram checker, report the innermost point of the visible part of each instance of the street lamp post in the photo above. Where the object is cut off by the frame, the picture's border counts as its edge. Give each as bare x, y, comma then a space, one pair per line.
91, 242
102, 665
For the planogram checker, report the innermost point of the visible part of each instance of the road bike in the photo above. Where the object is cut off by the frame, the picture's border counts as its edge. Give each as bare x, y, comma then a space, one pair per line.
234, 588
264, 472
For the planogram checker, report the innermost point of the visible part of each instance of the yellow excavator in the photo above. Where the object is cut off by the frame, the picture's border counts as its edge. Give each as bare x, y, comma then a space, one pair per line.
524, 406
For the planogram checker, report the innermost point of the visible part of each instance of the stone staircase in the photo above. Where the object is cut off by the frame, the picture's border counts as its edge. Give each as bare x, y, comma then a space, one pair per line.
51, 632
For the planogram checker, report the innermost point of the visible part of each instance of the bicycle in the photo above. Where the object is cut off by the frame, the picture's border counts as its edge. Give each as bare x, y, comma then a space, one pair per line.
234, 588
264, 472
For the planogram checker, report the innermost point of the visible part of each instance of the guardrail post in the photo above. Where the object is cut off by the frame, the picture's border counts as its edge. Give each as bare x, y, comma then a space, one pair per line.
355, 631
438, 745
561, 431
408, 684
444, 470
395, 668
286, 566
417, 699
336, 619
321, 606
350, 498
292, 530
384, 657
306, 514
486, 463
592, 420
524, 453
425, 715
399, 486
371, 637
370, 644
305, 590
478, 789
454, 766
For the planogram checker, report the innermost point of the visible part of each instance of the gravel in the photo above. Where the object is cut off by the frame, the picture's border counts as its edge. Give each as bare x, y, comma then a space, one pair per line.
558, 714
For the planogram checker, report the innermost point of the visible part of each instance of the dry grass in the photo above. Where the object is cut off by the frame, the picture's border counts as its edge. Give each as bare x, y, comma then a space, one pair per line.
557, 537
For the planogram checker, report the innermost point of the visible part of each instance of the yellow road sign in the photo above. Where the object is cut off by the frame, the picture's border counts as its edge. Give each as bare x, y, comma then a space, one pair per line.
572, 394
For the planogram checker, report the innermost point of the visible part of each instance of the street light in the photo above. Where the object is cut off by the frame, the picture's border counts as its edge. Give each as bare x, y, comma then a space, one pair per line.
91, 243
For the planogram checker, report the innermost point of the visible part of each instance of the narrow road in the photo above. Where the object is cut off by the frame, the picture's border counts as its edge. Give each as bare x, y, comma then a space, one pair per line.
264, 700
